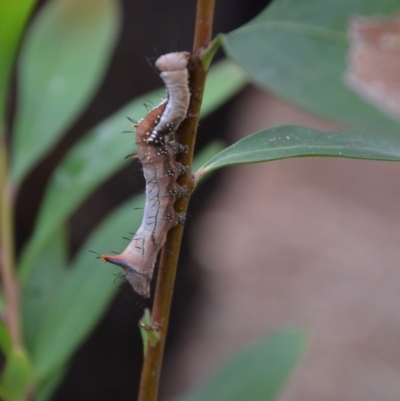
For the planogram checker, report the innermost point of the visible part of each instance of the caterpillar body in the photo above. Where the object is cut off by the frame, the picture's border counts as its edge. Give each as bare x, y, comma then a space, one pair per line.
157, 151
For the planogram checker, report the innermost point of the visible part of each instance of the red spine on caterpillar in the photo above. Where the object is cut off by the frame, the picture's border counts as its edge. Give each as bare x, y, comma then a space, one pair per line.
157, 152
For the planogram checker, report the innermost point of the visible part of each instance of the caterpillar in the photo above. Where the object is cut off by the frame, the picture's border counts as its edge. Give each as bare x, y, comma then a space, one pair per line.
157, 151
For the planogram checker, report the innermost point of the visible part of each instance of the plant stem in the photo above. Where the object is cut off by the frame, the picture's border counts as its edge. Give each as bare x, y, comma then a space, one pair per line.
186, 135
7, 262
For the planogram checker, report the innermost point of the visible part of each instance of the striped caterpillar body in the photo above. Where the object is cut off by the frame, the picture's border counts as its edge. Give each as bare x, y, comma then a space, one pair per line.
157, 151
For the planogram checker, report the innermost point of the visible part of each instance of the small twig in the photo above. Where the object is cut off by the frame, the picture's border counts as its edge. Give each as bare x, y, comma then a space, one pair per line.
186, 135
7, 262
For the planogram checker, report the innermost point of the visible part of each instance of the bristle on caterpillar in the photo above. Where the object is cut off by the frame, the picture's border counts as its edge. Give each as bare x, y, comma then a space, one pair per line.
157, 151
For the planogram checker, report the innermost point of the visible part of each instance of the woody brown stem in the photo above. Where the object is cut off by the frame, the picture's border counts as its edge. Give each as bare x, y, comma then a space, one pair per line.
186, 135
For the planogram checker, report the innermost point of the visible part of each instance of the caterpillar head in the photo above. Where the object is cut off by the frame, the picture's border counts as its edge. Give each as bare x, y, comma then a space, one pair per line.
173, 61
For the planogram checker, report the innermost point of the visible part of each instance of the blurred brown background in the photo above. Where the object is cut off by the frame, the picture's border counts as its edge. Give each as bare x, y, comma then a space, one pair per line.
309, 242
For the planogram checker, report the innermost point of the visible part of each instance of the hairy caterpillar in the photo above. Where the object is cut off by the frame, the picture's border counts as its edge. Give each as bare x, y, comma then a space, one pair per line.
157, 151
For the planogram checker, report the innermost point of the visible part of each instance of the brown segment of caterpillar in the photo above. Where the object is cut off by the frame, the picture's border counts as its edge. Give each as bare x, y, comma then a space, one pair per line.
157, 151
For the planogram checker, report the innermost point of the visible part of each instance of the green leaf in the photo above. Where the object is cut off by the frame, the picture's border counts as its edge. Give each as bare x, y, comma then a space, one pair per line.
16, 376
297, 49
224, 81
211, 150
292, 141
42, 285
5, 339
63, 60
47, 388
101, 153
84, 295
258, 373
13, 17
2, 304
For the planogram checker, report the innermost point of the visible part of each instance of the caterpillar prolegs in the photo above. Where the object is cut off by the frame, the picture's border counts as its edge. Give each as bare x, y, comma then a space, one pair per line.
157, 151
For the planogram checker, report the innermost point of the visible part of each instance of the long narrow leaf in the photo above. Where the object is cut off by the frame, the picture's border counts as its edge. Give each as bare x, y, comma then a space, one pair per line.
224, 81
293, 141
298, 50
16, 376
5, 339
46, 389
42, 285
84, 294
13, 17
258, 373
62, 62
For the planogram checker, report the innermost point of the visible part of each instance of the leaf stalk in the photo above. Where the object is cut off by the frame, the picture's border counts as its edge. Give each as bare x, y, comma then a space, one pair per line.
7, 249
